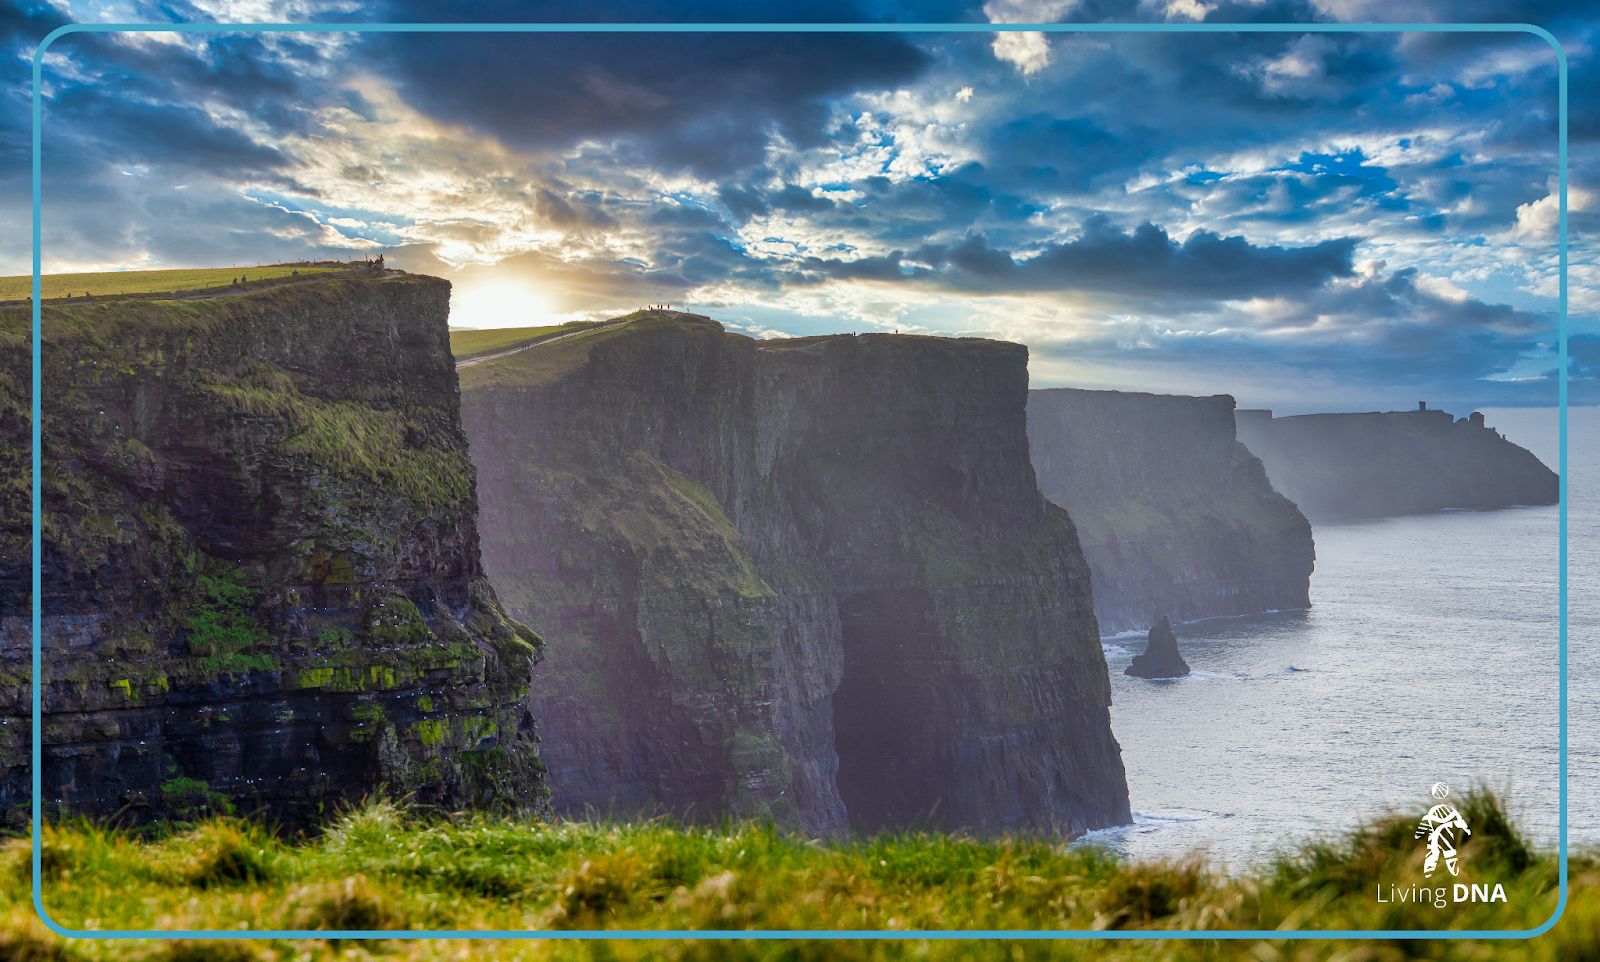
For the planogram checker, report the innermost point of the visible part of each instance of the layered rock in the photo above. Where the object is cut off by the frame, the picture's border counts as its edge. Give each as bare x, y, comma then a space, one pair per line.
261, 581
1348, 467
1175, 515
808, 577
1161, 658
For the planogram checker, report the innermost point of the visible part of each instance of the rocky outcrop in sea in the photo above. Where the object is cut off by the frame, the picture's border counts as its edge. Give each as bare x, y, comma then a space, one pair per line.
1161, 658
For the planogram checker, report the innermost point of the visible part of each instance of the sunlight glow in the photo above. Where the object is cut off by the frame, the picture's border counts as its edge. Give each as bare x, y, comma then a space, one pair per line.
498, 303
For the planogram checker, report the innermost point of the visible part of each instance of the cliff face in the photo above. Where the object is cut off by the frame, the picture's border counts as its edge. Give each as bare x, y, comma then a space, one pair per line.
1344, 467
261, 577
811, 577
1176, 517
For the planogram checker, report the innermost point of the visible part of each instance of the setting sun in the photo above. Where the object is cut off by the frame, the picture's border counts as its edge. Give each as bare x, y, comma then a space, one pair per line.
499, 303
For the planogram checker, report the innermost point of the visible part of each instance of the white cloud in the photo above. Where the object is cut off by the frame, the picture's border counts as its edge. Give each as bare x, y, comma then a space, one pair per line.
1027, 50
1179, 9
1441, 288
1299, 72
1539, 220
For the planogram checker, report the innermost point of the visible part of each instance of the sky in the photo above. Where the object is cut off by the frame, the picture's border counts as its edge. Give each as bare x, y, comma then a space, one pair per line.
1309, 222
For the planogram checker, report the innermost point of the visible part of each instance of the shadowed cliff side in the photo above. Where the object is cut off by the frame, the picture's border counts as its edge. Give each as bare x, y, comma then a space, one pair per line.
1174, 514
261, 579
813, 577
1347, 467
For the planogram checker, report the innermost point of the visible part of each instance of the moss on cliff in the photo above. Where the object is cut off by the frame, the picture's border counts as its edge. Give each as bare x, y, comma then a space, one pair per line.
260, 554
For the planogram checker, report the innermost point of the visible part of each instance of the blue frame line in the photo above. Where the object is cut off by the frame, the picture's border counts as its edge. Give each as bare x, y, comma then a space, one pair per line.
37, 585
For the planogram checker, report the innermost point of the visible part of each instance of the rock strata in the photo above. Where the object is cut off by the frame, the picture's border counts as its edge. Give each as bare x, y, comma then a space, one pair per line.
262, 586
1174, 514
1161, 658
812, 578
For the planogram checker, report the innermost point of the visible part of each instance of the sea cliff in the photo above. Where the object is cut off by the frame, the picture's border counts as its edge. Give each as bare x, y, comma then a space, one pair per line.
1347, 467
262, 588
812, 578
1175, 516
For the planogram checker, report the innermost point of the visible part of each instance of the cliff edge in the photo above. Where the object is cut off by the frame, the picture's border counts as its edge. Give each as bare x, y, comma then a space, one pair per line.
1349, 467
262, 588
1174, 514
813, 578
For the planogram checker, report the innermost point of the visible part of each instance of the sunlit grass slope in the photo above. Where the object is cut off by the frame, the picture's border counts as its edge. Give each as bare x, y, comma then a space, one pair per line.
382, 869
470, 344
112, 283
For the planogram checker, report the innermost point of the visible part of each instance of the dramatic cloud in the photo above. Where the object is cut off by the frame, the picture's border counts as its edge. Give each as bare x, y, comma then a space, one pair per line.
1276, 215
1145, 264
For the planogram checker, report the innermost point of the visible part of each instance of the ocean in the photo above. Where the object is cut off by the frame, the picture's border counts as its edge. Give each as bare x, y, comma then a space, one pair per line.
1430, 654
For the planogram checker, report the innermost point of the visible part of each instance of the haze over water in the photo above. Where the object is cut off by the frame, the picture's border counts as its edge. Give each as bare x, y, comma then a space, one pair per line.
1430, 654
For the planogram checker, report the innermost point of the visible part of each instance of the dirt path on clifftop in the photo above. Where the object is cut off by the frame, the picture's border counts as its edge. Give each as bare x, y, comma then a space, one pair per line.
541, 342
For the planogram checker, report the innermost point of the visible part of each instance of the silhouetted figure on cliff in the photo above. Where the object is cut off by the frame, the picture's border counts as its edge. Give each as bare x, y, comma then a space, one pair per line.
1161, 658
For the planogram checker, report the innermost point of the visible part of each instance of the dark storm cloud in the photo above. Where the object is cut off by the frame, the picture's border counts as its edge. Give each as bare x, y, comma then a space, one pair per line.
1065, 153
126, 104
703, 102
1583, 357
1144, 263
892, 212
126, 133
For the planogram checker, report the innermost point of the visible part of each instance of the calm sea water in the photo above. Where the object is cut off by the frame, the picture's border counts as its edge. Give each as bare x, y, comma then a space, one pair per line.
1430, 654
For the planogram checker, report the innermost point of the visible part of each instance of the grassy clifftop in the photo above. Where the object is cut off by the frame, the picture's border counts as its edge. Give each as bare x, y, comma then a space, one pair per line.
118, 283
384, 869
471, 345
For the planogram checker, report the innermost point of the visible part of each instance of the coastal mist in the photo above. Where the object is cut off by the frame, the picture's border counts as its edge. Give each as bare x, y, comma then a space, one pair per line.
1430, 653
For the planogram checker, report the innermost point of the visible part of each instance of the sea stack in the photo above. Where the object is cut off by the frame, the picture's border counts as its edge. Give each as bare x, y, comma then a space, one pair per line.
1161, 658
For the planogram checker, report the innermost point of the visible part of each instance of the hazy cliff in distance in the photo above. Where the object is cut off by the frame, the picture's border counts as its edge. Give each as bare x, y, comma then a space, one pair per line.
811, 577
1175, 516
1347, 467
261, 578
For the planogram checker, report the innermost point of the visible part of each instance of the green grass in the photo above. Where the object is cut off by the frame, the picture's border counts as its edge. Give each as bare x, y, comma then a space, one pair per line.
387, 869
548, 363
110, 283
469, 344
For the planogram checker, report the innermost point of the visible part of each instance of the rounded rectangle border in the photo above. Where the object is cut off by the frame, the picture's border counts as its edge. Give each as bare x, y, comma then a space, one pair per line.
731, 28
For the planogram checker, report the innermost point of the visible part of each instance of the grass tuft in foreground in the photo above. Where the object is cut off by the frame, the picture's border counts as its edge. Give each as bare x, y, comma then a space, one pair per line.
381, 868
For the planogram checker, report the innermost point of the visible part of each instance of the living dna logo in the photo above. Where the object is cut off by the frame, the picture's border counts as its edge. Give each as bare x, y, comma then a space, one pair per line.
1439, 827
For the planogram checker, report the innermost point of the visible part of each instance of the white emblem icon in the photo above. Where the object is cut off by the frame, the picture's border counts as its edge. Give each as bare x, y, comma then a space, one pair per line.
1439, 826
